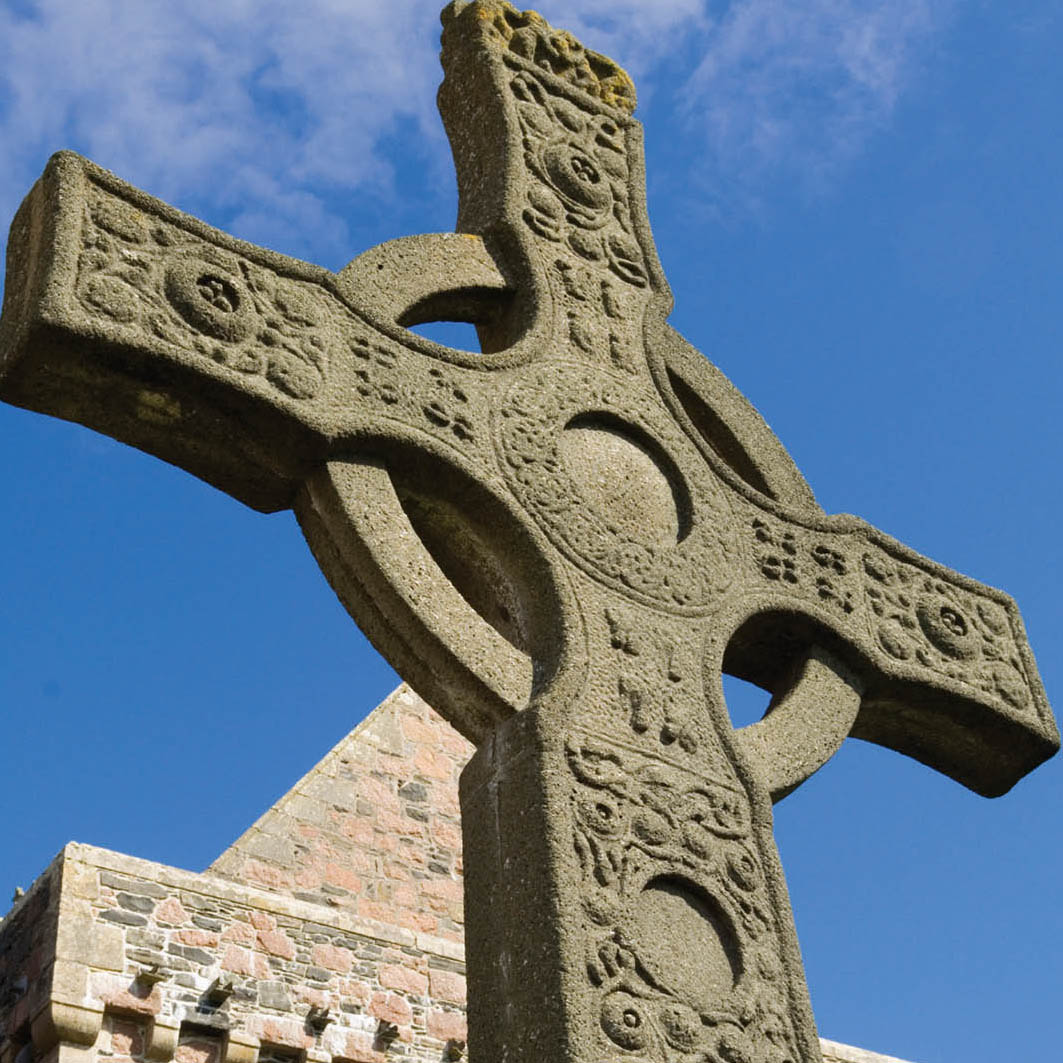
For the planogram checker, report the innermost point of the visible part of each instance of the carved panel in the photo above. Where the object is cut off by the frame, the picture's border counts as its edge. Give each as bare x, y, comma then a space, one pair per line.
428, 396
798, 559
669, 869
920, 618
578, 188
528, 35
684, 575
150, 276
656, 677
603, 322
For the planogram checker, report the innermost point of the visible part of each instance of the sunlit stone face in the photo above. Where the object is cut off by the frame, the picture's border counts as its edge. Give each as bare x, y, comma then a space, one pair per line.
622, 481
686, 942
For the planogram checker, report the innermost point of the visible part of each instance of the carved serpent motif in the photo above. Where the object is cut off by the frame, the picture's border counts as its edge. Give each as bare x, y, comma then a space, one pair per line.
655, 839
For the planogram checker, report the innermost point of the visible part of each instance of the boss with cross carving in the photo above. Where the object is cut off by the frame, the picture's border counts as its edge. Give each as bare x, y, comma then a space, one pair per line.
561, 542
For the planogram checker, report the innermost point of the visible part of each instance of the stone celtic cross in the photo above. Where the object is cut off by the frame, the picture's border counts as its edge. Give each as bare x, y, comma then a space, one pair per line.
561, 542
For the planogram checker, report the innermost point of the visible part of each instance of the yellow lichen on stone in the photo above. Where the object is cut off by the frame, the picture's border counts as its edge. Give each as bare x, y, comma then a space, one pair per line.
618, 91
529, 35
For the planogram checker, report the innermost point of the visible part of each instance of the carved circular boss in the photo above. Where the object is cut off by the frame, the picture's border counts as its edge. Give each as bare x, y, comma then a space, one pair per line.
618, 488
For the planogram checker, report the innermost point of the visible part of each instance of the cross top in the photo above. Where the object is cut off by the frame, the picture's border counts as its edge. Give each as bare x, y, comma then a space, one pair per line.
561, 541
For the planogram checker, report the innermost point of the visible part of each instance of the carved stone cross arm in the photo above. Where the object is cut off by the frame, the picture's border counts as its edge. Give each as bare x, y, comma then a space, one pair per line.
551, 174
239, 364
560, 541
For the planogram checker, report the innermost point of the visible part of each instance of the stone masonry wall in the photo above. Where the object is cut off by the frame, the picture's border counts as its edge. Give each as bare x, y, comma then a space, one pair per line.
374, 829
27, 958
189, 967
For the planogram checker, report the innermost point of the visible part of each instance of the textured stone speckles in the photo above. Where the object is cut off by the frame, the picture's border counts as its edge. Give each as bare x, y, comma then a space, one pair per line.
390, 1007
171, 912
198, 1048
401, 978
276, 943
349, 850
332, 958
447, 1025
447, 985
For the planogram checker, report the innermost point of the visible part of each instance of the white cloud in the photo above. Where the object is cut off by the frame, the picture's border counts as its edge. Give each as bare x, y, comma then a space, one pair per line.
261, 111
796, 87
637, 34
267, 99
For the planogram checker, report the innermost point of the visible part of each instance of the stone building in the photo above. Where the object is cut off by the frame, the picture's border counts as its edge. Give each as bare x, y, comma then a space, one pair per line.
330, 932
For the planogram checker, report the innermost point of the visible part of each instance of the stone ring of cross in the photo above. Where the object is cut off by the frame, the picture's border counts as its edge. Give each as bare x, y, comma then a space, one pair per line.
561, 541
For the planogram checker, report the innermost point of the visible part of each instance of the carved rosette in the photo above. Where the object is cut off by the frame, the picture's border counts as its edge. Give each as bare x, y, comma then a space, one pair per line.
155, 279
685, 575
145, 274
919, 619
578, 192
669, 870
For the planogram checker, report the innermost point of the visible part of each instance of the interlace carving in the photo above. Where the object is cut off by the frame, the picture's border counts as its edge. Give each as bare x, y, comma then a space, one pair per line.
541, 542
650, 835
528, 35
579, 193
529, 429
145, 273
150, 276
918, 618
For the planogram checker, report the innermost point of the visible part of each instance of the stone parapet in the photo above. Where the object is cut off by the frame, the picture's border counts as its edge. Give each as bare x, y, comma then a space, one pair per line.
168, 964
28, 943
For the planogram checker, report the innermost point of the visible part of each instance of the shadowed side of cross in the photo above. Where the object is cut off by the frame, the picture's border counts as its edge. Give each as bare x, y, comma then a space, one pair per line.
561, 541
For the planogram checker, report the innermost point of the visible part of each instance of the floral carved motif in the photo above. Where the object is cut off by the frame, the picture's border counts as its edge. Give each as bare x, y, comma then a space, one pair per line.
923, 619
149, 275
578, 194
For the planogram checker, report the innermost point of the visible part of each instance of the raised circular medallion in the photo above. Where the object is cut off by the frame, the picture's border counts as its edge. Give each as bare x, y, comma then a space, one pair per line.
574, 173
211, 299
602, 467
624, 480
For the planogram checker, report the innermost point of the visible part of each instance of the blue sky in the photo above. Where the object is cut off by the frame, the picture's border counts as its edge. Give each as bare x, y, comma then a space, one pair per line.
858, 206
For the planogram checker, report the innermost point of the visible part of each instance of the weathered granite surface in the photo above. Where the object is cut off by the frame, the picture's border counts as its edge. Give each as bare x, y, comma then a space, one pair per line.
561, 542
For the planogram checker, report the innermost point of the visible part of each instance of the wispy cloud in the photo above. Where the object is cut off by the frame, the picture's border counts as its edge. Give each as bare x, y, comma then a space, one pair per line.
639, 35
794, 88
267, 114
220, 102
